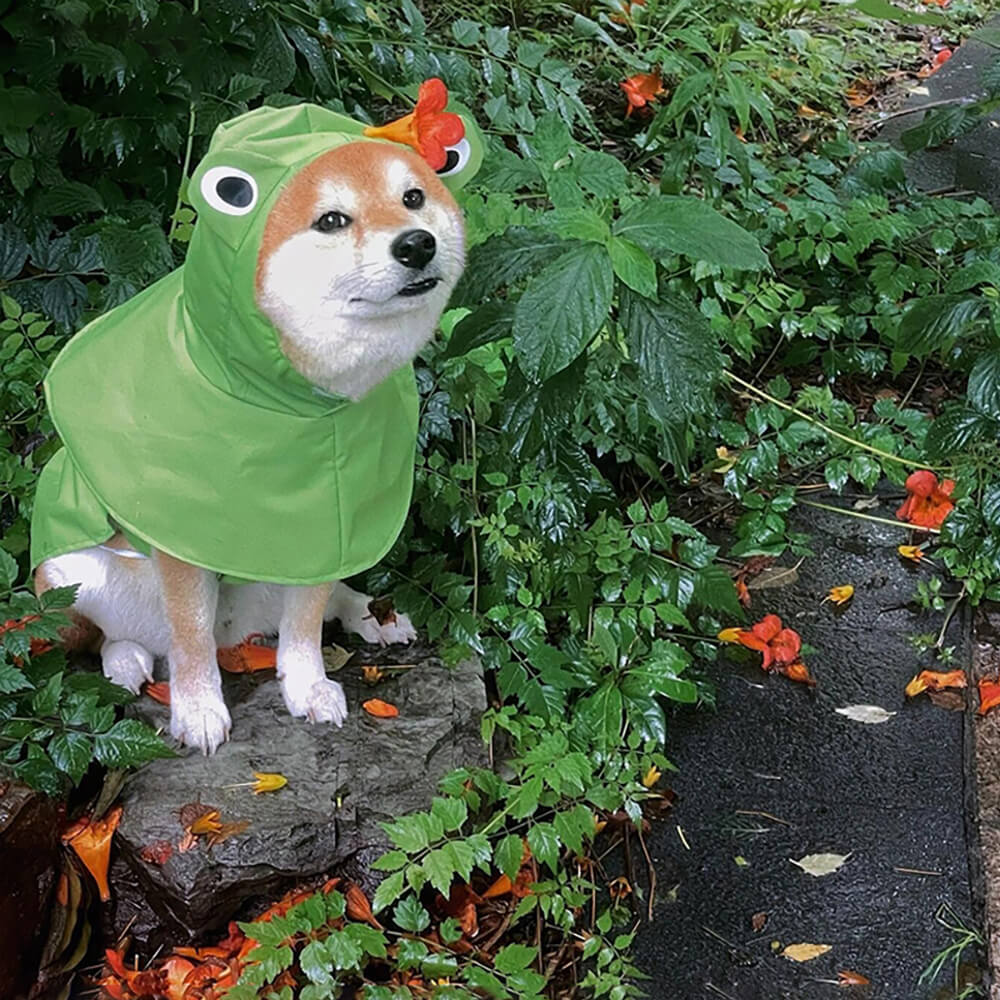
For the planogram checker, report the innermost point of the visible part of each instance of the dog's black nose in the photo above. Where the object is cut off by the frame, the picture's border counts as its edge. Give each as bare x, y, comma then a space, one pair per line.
414, 248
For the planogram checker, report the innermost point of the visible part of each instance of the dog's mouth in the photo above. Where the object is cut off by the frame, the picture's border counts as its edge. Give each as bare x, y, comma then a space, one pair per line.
418, 287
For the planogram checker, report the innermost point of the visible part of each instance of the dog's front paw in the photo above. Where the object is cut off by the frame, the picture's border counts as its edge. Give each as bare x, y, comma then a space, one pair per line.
126, 663
321, 701
199, 720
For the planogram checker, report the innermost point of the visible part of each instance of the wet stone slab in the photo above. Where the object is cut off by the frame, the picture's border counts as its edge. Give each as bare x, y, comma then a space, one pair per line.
341, 784
775, 774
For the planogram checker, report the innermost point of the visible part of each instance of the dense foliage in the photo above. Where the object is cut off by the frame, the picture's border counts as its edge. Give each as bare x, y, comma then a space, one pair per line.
698, 299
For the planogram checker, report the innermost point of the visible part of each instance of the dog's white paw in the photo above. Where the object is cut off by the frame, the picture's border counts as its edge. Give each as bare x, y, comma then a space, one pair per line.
201, 720
367, 626
321, 701
127, 664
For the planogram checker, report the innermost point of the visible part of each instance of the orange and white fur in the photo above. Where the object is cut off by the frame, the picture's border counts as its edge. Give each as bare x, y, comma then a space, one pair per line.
350, 307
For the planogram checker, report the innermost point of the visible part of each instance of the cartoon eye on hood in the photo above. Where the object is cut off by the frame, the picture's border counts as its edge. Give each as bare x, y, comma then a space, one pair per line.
229, 190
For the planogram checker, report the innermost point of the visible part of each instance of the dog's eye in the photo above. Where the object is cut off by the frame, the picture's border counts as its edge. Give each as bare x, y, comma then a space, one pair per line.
414, 198
229, 190
457, 157
329, 221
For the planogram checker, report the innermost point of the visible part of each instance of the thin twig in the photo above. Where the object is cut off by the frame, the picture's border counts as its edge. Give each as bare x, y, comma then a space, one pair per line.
652, 877
949, 614
757, 812
865, 517
912, 111
915, 871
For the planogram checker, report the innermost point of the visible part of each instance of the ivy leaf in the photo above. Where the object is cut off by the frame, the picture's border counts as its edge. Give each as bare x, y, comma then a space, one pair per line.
674, 224
562, 310
674, 348
129, 742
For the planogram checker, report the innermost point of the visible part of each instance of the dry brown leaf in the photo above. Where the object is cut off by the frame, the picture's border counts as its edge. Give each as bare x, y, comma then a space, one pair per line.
334, 657
772, 577
846, 977
820, 864
950, 700
758, 921
805, 952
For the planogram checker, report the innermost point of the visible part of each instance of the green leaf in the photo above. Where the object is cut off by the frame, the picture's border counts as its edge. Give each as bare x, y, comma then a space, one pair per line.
342, 950
601, 714
38, 771
514, 958
70, 198
956, 428
507, 855
674, 348
12, 679
371, 941
934, 323
45, 701
574, 827
13, 250
562, 310
601, 174
633, 266
991, 505
315, 963
390, 861
439, 868
274, 57
8, 570
491, 322
524, 801
885, 11
411, 916
984, 382
505, 259
128, 743
672, 224
544, 843
452, 812
388, 891
943, 124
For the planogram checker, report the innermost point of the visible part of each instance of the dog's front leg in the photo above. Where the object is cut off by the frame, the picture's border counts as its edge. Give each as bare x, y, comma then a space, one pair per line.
198, 715
304, 684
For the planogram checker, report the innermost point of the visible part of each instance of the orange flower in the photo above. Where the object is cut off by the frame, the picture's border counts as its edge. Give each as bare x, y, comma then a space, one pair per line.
743, 593
935, 680
779, 647
91, 842
158, 691
911, 552
989, 694
428, 128
380, 709
642, 89
839, 595
928, 501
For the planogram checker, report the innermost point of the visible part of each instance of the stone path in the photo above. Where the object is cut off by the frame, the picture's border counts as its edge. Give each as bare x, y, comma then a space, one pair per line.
775, 774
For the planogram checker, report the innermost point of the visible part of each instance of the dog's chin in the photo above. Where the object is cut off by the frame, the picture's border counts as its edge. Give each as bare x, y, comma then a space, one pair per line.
421, 294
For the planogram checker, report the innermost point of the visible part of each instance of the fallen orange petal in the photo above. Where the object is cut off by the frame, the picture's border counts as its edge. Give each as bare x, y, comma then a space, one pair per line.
911, 552
247, 657
652, 776
798, 671
207, 822
989, 694
935, 680
500, 887
380, 709
92, 845
158, 691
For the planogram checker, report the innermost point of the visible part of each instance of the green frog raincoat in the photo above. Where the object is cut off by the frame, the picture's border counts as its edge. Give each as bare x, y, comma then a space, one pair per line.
183, 423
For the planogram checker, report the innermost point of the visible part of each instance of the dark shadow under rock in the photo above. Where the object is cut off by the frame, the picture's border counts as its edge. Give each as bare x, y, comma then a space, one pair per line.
341, 784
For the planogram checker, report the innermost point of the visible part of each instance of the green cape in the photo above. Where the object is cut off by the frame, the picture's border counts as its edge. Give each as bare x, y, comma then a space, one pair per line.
185, 425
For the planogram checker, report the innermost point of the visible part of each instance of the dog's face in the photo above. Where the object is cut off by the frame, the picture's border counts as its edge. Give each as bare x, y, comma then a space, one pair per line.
359, 255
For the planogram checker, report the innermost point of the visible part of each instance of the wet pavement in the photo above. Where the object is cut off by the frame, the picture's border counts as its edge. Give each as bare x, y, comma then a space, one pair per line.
775, 773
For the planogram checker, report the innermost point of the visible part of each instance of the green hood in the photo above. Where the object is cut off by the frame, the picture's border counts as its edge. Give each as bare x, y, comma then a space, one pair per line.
185, 424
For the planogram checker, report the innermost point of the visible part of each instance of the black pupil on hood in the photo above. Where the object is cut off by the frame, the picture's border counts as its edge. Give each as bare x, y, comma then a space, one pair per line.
451, 161
235, 191
414, 198
329, 221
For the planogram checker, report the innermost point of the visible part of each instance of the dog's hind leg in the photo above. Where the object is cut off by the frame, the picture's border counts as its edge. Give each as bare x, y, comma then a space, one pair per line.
198, 714
306, 689
350, 608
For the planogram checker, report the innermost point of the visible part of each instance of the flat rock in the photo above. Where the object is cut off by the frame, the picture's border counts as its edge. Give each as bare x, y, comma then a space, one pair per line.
341, 784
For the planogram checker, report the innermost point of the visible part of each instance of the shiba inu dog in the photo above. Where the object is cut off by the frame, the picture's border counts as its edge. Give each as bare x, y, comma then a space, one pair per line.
266, 432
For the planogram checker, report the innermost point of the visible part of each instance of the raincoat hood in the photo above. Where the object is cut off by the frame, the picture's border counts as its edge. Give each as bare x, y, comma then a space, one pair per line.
186, 426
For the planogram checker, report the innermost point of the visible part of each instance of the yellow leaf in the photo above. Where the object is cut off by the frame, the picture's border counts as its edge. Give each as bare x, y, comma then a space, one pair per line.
268, 782
805, 952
